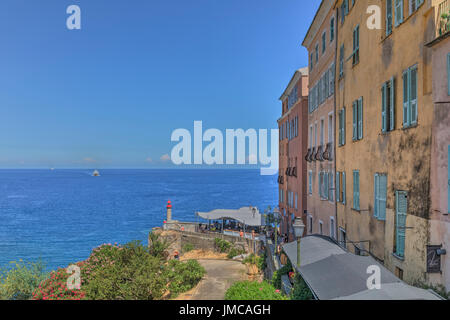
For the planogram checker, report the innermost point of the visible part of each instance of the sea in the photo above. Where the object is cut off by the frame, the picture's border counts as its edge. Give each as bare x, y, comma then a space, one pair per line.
59, 216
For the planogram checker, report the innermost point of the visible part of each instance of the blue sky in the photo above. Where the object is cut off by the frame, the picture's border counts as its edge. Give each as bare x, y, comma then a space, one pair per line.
110, 94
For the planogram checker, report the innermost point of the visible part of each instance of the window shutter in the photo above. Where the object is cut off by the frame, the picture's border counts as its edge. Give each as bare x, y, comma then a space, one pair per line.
405, 99
392, 109
325, 185
360, 118
344, 197
398, 12
338, 182
376, 194
355, 120
383, 108
382, 195
354, 190
388, 17
413, 95
330, 186
343, 127
402, 209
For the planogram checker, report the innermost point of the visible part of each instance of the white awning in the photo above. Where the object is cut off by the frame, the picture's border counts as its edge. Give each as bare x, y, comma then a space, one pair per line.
249, 216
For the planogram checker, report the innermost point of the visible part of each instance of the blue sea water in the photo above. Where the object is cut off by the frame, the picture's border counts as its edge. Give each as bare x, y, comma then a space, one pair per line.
61, 215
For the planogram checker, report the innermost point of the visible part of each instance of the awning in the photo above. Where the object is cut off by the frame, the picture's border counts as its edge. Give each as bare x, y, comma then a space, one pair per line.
249, 216
333, 273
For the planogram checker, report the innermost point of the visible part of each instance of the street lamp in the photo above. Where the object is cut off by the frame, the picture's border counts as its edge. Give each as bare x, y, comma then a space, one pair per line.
299, 227
276, 216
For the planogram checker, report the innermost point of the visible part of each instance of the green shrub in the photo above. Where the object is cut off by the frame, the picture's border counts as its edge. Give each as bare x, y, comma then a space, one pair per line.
183, 276
234, 252
158, 248
188, 247
301, 290
222, 245
19, 282
247, 290
276, 278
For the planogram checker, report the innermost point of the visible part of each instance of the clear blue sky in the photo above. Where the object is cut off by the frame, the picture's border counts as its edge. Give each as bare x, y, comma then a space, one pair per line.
110, 94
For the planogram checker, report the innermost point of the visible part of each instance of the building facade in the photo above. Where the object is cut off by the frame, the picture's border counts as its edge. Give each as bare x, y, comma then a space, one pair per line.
320, 41
385, 125
440, 147
293, 138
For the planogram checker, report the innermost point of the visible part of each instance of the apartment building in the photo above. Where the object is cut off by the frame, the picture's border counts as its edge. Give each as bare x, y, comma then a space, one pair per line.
293, 139
439, 267
320, 41
384, 127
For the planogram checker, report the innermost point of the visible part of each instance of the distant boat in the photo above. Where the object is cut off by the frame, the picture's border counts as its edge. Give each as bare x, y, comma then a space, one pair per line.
52, 169
96, 173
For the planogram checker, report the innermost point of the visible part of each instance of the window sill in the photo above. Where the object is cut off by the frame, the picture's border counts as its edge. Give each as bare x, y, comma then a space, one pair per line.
398, 257
356, 210
412, 126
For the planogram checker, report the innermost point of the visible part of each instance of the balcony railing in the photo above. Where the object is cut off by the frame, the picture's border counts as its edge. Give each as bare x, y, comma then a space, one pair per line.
443, 18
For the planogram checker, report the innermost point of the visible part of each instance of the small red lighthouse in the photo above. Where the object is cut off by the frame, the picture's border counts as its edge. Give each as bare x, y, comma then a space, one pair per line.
169, 211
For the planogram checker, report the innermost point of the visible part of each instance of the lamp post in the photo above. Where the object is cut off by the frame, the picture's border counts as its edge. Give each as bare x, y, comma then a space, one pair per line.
276, 216
299, 227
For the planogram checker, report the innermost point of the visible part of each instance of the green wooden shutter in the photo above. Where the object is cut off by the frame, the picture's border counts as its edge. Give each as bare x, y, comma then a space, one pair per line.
343, 126
344, 191
354, 191
375, 197
383, 108
355, 120
325, 185
338, 183
360, 118
382, 195
413, 94
405, 99
388, 17
402, 209
398, 12
392, 105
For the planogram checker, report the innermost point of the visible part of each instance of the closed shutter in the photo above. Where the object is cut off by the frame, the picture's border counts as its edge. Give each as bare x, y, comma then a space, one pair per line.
402, 209
330, 186
356, 190
398, 12
382, 195
344, 192
360, 118
388, 17
338, 183
383, 108
392, 106
325, 185
343, 126
355, 120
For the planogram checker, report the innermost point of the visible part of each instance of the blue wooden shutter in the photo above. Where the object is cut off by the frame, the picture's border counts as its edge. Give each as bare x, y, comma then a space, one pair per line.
344, 196
355, 120
398, 12
360, 118
405, 99
354, 190
392, 109
388, 17
344, 126
375, 197
325, 185
382, 196
338, 182
383, 108
413, 94
402, 209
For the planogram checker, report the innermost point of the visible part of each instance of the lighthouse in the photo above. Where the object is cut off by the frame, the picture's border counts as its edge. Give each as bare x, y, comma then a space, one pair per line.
169, 211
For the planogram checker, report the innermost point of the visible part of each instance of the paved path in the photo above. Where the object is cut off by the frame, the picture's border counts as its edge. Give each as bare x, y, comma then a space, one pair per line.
220, 275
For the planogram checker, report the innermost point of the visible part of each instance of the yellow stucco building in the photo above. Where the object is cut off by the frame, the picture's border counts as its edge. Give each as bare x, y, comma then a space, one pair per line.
384, 116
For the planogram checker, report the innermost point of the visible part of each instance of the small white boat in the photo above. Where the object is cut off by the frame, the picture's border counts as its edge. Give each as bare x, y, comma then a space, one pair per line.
96, 173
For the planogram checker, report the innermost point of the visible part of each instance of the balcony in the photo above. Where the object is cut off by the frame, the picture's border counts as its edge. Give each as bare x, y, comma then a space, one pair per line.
319, 154
328, 153
443, 18
280, 179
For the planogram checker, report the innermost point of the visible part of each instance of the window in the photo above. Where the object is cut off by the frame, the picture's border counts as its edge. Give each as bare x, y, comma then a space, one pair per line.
320, 227
324, 42
398, 12
330, 186
388, 106
317, 53
330, 128
310, 182
344, 10
296, 201
410, 97
332, 30
322, 130
315, 134
341, 61
380, 190
356, 190
358, 119
310, 136
310, 224
414, 5
331, 79
342, 127
332, 228
356, 45
448, 73
400, 222
388, 17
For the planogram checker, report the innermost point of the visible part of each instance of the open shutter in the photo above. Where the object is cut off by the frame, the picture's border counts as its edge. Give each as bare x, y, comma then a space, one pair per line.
355, 120
402, 209
325, 185
343, 125
392, 106
405, 99
413, 94
360, 118
382, 194
398, 12
383, 108
338, 183
376, 193
344, 193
